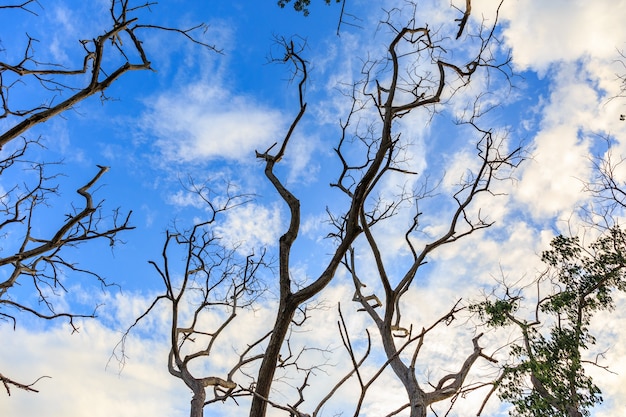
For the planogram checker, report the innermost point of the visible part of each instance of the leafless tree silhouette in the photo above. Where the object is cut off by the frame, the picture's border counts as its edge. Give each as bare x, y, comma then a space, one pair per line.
32, 92
418, 74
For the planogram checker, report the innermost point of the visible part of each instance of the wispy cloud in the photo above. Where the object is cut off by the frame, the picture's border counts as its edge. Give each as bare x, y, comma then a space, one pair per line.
251, 226
206, 121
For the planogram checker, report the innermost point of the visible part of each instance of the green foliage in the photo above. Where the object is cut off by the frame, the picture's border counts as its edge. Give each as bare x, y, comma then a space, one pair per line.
549, 379
301, 5
587, 277
546, 376
495, 313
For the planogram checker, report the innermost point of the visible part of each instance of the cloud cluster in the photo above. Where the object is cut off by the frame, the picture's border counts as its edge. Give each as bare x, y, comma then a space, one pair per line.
542, 34
80, 382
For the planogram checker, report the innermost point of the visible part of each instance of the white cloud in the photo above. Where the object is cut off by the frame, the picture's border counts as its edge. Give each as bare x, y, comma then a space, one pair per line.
543, 33
552, 180
303, 166
251, 226
80, 384
205, 121
610, 334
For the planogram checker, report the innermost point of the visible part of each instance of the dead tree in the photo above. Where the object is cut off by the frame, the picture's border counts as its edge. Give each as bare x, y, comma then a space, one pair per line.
415, 76
39, 259
395, 97
203, 294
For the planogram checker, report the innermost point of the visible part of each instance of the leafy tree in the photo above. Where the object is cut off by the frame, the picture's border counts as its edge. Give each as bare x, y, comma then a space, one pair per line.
546, 375
301, 5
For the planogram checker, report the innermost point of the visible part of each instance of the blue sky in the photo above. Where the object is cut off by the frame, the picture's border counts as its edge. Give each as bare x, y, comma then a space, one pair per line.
202, 115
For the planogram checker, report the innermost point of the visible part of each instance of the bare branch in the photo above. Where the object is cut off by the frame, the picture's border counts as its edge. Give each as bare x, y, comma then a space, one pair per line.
96, 53
8, 383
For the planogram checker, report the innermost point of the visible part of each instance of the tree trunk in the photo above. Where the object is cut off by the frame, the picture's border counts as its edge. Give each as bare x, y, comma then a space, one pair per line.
197, 402
573, 411
417, 397
286, 311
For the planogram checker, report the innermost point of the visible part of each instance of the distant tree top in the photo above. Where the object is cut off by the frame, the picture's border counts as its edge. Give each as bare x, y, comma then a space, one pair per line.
301, 5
